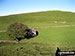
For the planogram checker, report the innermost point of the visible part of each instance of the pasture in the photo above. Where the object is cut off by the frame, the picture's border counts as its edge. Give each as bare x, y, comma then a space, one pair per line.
47, 41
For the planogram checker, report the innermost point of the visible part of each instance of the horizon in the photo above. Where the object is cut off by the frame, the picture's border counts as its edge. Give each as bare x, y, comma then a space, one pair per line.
36, 12
10, 7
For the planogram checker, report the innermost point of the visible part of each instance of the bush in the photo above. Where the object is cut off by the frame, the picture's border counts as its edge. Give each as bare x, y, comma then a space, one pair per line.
17, 31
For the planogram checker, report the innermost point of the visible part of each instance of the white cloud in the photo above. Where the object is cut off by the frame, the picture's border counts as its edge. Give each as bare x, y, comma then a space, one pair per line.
20, 12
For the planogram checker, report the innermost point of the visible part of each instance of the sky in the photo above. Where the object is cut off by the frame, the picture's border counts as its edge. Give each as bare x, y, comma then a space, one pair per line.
8, 7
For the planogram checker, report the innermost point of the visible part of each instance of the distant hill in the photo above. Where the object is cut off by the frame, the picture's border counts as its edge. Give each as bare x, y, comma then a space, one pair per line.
37, 19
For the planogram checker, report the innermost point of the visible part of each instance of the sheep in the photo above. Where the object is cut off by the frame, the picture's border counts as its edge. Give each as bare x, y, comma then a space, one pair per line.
30, 33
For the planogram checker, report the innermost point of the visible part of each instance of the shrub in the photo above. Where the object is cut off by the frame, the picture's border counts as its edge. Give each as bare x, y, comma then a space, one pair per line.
17, 31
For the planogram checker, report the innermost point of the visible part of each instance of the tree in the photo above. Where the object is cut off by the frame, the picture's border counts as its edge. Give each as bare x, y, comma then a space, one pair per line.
17, 31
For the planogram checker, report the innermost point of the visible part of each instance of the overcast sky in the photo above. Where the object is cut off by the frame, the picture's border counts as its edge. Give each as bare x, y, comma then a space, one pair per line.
8, 7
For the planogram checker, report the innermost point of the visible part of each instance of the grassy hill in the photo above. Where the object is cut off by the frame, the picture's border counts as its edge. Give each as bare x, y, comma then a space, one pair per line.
45, 18
47, 40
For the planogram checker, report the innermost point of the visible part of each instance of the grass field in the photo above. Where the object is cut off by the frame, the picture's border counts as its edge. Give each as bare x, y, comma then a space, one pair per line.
48, 39
48, 18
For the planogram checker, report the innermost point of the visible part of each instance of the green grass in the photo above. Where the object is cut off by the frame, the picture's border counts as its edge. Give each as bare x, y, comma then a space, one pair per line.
51, 35
43, 18
47, 40
56, 36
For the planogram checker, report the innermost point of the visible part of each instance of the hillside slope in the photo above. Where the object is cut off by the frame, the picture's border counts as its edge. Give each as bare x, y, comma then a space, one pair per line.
47, 41
38, 19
